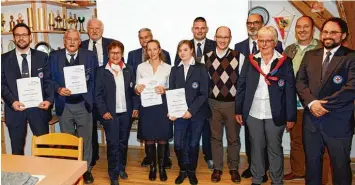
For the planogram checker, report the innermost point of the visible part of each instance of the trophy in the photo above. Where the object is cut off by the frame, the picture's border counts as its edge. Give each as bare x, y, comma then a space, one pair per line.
58, 21
65, 24
81, 20
2, 23
75, 22
19, 19
70, 21
12, 23
51, 21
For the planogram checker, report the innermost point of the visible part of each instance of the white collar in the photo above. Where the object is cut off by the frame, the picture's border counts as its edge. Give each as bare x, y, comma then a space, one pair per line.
28, 52
108, 67
332, 50
191, 62
251, 40
200, 41
161, 62
68, 54
97, 42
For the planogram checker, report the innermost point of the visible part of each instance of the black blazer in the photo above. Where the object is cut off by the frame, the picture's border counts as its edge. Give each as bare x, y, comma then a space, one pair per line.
282, 97
196, 89
210, 45
105, 91
105, 43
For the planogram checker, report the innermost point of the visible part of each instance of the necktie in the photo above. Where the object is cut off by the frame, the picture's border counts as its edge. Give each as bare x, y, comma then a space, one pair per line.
199, 51
94, 49
25, 70
72, 59
254, 48
326, 63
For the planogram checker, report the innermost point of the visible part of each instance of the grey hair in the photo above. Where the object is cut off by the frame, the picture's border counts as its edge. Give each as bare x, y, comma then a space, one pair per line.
95, 19
269, 30
145, 29
71, 30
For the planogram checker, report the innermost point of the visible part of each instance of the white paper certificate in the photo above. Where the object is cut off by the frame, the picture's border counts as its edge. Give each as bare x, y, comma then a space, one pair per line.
75, 80
176, 100
149, 97
29, 91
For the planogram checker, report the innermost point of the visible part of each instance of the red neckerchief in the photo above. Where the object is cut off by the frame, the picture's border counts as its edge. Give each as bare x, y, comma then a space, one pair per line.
120, 64
268, 76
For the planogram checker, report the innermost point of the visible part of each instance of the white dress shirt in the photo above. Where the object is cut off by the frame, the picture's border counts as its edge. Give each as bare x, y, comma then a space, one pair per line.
187, 66
67, 54
260, 107
20, 58
251, 44
203, 42
145, 70
121, 105
99, 50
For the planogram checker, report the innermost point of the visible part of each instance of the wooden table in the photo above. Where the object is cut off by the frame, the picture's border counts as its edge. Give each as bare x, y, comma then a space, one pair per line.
57, 171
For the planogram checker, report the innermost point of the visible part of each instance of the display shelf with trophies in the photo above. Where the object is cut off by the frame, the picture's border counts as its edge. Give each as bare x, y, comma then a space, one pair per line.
67, 4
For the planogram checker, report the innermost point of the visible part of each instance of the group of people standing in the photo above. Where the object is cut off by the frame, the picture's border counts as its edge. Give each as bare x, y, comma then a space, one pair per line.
255, 85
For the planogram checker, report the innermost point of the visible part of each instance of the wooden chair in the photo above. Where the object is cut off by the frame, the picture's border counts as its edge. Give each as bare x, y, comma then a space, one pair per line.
60, 145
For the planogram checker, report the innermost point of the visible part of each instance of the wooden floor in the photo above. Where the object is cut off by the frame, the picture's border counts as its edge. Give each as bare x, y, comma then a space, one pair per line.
139, 176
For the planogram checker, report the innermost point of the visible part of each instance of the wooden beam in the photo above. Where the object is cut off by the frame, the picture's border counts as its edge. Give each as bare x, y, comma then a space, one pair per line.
305, 8
346, 12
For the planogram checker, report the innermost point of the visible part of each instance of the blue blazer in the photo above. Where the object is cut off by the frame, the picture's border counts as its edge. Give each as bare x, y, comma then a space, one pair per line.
57, 61
135, 58
105, 43
10, 72
196, 89
243, 47
105, 91
282, 97
209, 46
337, 87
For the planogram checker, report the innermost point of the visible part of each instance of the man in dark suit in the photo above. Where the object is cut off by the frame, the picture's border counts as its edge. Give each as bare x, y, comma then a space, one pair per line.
24, 62
135, 58
202, 45
74, 110
98, 45
249, 46
138, 56
326, 85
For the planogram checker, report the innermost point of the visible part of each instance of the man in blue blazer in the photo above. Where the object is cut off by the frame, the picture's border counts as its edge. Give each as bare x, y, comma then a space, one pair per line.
135, 58
326, 86
74, 110
24, 62
250, 46
98, 45
138, 56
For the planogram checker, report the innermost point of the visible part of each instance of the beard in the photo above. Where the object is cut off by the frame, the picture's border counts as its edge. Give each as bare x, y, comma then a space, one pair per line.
22, 46
252, 32
331, 45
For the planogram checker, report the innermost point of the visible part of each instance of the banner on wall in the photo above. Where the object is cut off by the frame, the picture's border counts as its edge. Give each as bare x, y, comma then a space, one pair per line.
283, 22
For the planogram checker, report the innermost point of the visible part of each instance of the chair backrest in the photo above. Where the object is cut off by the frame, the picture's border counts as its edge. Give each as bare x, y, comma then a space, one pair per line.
58, 145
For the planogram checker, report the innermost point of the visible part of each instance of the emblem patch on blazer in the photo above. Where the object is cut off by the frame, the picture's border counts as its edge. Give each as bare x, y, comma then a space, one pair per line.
87, 77
337, 79
195, 85
131, 84
40, 74
281, 83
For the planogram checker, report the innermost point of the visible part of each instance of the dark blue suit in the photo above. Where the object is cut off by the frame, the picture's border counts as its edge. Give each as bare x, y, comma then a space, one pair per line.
105, 43
117, 130
210, 45
333, 130
135, 58
196, 88
16, 121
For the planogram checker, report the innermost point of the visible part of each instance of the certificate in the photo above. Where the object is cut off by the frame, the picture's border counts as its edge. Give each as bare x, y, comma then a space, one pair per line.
75, 80
176, 100
149, 97
29, 91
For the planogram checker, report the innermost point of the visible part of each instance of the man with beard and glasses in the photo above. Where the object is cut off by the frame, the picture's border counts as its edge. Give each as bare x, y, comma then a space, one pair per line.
325, 84
250, 46
304, 30
24, 62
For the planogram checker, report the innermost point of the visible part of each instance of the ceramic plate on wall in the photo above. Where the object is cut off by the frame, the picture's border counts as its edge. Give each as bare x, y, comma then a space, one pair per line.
262, 11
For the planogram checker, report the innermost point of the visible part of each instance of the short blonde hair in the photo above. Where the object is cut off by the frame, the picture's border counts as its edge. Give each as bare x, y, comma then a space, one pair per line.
269, 30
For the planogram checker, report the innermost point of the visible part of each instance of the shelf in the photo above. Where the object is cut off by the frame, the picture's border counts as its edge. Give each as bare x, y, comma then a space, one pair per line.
52, 2
43, 31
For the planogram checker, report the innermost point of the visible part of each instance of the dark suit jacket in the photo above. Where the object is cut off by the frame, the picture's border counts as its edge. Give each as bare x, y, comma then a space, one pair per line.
105, 91
210, 45
196, 89
243, 47
105, 43
57, 61
282, 98
337, 87
10, 72
135, 58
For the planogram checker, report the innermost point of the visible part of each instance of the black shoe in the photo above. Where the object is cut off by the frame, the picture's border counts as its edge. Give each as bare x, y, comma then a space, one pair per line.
265, 178
168, 163
246, 174
182, 176
192, 178
114, 182
153, 173
235, 177
145, 162
123, 175
88, 178
216, 175
161, 156
254, 184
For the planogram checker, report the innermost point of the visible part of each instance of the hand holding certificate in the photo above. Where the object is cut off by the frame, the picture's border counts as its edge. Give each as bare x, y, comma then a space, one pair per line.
29, 91
176, 100
75, 80
149, 97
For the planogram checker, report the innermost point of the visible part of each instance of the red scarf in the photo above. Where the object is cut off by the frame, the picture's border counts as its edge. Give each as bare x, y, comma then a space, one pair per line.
269, 76
119, 64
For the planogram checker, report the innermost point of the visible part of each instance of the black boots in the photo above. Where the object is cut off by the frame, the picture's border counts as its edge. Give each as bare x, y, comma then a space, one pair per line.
151, 154
161, 159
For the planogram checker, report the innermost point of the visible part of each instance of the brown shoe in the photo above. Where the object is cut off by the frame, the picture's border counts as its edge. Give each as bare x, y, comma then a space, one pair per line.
291, 176
235, 177
216, 175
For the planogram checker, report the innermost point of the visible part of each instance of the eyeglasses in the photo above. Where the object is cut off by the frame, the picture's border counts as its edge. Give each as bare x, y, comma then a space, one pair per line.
224, 38
331, 33
265, 41
115, 53
255, 23
17, 36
